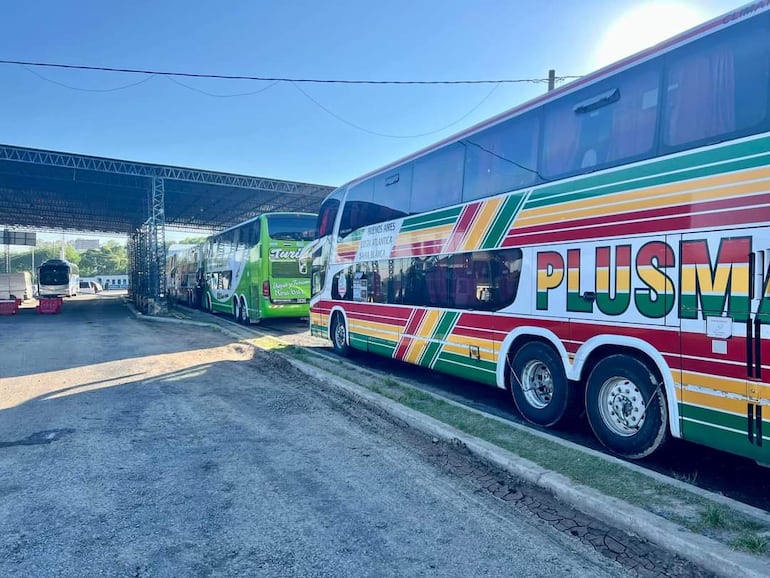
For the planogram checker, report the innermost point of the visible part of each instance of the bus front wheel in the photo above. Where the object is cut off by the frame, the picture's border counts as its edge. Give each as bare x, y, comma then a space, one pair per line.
539, 386
626, 407
339, 335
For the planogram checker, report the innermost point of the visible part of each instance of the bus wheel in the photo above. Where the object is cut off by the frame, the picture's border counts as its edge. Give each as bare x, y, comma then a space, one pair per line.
626, 407
539, 386
339, 335
244, 312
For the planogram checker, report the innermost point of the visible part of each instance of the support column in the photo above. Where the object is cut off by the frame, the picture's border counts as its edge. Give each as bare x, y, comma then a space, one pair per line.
157, 249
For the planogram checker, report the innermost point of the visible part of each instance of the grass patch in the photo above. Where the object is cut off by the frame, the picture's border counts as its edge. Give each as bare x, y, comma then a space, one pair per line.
751, 543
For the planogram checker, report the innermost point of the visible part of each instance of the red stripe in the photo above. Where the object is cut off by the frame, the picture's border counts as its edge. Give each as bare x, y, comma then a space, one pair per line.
674, 210
403, 346
419, 248
714, 367
414, 323
464, 223
729, 217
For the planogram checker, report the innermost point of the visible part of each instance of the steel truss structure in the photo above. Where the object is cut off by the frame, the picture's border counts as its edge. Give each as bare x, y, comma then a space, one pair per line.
42, 189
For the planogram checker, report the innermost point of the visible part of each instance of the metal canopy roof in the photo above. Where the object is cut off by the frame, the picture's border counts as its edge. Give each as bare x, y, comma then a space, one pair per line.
53, 190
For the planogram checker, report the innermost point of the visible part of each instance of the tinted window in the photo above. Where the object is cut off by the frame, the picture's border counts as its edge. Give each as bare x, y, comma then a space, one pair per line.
717, 88
483, 280
502, 158
57, 275
438, 179
361, 209
602, 125
393, 189
326, 217
291, 227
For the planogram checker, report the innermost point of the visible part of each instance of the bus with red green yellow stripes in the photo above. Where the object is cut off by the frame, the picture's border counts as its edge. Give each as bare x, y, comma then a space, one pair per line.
604, 248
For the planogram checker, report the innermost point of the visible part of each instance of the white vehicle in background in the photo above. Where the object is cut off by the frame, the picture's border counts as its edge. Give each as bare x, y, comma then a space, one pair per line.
90, 285
16, 286
57, 278
86, 287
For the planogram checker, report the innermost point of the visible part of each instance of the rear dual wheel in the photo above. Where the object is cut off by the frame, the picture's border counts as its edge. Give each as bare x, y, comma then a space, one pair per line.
626, 407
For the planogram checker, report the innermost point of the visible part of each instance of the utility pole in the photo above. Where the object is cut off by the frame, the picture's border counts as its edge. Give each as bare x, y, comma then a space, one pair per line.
551, 80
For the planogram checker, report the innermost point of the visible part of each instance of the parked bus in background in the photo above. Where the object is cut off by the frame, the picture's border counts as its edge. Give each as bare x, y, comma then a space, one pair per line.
603, 248
57, 278
252, 272
184, 271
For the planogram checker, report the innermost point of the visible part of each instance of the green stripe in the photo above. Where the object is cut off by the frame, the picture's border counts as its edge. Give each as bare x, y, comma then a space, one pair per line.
357, 340
467, 368
383, 347
712, 416
443, 328
435, 219
735, 442
319, 330
430, 352
650, 174
502, 223
445, 324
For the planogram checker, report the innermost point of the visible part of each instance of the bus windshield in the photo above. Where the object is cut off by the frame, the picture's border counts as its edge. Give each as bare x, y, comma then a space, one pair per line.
57, 275
291, 227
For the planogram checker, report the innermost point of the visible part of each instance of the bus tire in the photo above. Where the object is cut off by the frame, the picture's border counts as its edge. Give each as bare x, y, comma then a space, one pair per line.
626, 407
339, 335
244, 312
539, 386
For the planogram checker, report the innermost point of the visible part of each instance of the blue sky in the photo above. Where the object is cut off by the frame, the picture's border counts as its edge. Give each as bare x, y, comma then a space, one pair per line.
279, 132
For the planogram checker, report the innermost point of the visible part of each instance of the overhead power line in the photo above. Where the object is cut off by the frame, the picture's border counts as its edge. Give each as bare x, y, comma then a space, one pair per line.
275, 78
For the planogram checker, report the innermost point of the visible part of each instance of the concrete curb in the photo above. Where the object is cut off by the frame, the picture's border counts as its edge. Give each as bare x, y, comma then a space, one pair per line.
708, 554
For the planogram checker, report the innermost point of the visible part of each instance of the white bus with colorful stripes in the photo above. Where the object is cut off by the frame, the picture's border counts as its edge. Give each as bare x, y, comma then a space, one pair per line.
604, 248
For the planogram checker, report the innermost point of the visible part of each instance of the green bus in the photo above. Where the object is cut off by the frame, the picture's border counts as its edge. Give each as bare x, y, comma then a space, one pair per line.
252, 271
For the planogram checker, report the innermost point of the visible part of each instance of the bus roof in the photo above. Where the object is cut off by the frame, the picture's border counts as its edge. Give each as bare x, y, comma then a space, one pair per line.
708, 27
259, 217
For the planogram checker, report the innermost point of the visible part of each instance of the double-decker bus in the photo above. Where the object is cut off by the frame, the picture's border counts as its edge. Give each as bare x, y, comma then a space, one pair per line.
57, 278
252, 270
184, 275
603, 248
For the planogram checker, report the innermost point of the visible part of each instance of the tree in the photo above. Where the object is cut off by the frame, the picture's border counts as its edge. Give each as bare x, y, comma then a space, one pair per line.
109, 259
191, 241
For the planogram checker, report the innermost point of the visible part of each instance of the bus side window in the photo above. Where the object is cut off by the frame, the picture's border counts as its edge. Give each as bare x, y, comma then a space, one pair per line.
612, 122
718, 88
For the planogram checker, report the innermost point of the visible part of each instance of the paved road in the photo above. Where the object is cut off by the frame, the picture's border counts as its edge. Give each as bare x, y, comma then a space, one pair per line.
130, 448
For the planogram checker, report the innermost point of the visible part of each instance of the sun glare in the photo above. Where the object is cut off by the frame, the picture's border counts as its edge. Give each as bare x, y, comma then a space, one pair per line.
644, 26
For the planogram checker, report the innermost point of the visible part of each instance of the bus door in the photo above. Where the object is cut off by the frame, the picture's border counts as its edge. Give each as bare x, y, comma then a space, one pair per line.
758, 345
722, 398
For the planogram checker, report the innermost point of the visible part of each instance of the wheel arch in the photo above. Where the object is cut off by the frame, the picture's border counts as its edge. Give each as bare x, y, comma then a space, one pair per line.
525, 334
338, 309
602, 346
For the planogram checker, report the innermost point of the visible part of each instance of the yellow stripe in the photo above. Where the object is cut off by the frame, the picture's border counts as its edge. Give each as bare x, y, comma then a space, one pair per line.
462, 350
714, 401
481, 224
729, 187
738, 279
423, 333
424, 234
723, 384
622, 279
